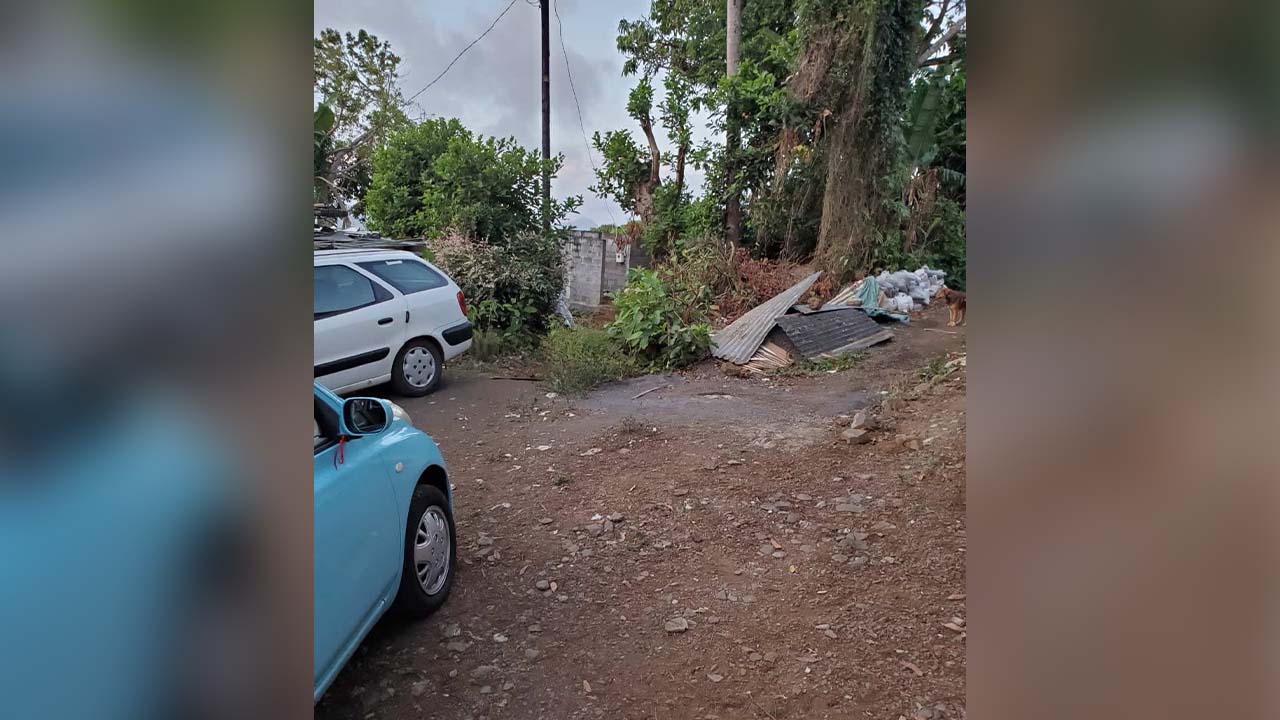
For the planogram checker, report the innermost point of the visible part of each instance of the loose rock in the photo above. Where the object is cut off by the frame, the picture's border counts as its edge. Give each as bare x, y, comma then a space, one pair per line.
677, 625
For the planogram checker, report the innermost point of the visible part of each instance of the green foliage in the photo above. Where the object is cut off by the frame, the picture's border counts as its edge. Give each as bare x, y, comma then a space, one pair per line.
436, 177
660, 328
496, 346
624, 165
359, 101
511, 288
581, 358
640, 100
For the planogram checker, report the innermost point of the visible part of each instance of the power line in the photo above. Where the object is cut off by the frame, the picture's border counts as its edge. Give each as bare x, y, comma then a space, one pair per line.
581, 125
464, 51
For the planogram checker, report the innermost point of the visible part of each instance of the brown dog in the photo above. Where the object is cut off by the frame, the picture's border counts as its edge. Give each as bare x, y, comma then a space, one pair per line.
955, 305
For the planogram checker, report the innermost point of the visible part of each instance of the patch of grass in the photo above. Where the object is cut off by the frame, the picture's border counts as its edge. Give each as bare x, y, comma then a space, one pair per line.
810, 368
631, 426
581, 358
494, 347
936, 368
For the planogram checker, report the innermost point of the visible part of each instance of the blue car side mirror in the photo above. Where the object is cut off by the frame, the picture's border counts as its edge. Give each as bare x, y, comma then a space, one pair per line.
364, 416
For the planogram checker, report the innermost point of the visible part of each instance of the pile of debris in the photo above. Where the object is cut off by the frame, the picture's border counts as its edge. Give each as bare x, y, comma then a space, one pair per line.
779, 332
896, 293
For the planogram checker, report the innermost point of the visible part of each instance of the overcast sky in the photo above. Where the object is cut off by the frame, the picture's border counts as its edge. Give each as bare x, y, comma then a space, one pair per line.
495, 88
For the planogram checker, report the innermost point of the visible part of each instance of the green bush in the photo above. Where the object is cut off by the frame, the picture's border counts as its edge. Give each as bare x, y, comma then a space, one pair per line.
581, 358
511, 288
492, 346
650, 324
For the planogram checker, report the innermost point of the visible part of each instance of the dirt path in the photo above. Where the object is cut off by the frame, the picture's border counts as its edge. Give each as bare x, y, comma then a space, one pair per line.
712, 549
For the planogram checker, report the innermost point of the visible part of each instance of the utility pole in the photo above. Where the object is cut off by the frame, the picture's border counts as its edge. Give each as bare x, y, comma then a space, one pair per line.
733, 204
546, 117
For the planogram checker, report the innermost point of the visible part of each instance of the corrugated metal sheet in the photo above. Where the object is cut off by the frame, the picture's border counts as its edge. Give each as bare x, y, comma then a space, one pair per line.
740, 340
832, 333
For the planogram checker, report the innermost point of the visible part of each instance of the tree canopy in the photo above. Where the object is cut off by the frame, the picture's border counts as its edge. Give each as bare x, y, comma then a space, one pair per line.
436, 178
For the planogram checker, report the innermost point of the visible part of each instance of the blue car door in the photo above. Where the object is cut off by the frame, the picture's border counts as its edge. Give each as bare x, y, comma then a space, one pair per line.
358, 544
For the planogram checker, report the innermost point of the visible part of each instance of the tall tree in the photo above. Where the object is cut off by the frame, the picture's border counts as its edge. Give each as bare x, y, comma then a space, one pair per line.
630, 175
876, 56
355, 79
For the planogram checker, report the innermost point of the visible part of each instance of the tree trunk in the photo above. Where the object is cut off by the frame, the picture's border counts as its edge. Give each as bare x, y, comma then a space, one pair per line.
733, 204
681, 152
644, 191
858, 157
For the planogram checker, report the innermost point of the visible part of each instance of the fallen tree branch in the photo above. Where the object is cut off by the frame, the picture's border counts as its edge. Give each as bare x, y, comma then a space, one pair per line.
637, 396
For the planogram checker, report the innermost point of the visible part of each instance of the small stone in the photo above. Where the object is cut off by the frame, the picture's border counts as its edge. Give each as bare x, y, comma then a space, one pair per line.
778, 554
499, 638
803, 497
531, 653
858, 561
755, 657
458, 646
590, 452
714, 677
543, 448
766, 549
680, 493
586, 687
595, 529
486, 689
840, 558
856, 436
418, 688
545, 521
829, 633
862, 419
677, 625
453, 673
848, 507
888, 560
535, 628
484, 540
452, 630
562, 598
883, 526
506, 686
543, 585
484, 671
615, 517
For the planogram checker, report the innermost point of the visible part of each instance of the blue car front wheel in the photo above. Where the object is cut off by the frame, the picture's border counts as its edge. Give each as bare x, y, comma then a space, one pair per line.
429, 555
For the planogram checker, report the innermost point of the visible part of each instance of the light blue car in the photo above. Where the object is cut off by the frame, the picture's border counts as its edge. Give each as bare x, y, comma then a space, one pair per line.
384, 532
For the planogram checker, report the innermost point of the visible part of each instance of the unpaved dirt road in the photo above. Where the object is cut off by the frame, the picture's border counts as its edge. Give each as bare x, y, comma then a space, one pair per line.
713, 549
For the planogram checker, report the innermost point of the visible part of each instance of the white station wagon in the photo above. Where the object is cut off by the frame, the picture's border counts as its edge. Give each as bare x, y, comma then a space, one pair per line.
385, 316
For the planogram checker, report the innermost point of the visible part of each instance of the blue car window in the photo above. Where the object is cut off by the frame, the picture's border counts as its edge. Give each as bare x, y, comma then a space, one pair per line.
407, 276
339, 289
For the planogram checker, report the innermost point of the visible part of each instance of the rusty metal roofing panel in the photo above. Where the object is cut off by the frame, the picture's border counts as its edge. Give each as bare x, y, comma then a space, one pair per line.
831, 333
740, 340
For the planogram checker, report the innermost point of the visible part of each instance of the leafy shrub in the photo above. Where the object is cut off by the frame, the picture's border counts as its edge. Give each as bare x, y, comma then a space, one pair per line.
581, 358
510, 288
650, 324
437, 176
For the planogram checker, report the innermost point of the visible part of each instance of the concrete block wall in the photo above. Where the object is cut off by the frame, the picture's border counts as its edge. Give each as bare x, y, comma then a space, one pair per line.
593, 268
582, 260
